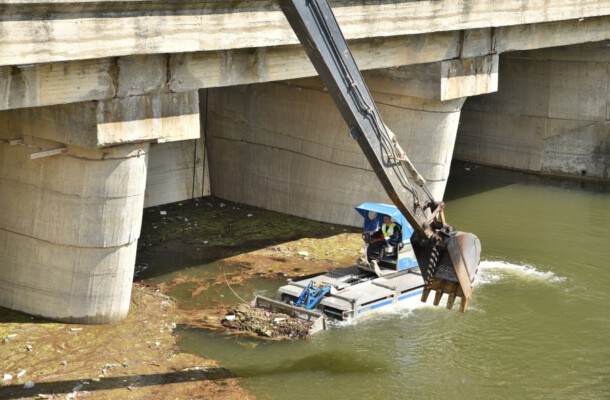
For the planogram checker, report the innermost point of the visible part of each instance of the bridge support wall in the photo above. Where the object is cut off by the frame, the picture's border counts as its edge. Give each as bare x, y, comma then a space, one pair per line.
69, 230
73, 181
285, 147
550, 114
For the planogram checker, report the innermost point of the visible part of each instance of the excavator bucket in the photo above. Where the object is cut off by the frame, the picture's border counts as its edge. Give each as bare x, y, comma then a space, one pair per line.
448, 264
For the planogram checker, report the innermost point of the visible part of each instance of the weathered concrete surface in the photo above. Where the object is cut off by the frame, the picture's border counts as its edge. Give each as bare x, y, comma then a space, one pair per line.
285, 147
69, 229
73, 216
550, 114
57, 52
445, 80
89, 30
161, 117
176, 172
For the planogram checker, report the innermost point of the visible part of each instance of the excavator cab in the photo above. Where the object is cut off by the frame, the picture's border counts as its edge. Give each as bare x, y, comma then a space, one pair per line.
389, 257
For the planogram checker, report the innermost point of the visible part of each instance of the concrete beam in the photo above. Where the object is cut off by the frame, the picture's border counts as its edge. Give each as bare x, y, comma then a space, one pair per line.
107, 78
552, 34
163, 117
445, 80
103, 79
52, 31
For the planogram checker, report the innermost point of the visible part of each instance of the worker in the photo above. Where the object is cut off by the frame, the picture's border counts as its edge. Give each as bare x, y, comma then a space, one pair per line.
389, 234
390, 230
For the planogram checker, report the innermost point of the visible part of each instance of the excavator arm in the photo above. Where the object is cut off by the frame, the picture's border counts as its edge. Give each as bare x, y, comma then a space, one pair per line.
448, 259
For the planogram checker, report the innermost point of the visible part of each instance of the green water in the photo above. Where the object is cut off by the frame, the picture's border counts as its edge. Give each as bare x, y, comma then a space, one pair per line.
538, 325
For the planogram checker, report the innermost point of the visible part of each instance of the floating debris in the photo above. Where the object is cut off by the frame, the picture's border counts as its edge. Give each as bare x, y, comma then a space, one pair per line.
266, 324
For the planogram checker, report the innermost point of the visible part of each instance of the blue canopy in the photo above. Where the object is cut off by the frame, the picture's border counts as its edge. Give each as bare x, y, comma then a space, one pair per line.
373, 217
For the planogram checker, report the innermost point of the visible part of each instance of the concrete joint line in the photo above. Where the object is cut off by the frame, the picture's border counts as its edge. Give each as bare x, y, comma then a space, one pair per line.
419, 109
68, 245
138, 154
295, 152
38, 188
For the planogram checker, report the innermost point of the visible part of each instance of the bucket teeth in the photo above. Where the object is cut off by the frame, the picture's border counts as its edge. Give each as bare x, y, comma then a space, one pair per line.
437, 297
425, 294
442, 286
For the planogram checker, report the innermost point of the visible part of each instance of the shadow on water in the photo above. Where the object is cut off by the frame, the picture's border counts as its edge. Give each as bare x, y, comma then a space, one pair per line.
201, 231
492, 178
266, 358
116, 382
328, 362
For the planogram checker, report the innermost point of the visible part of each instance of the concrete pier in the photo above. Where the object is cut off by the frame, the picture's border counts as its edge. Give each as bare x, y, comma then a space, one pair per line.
73, 181
69, 230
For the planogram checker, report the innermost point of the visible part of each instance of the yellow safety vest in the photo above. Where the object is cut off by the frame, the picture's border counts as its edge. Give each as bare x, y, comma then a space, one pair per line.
388, 230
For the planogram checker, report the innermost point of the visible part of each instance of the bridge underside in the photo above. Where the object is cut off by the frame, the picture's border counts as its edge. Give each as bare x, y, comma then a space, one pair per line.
75, 177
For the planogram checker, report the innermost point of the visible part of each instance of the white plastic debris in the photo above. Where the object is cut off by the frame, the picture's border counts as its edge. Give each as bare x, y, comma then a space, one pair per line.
29, 347
230, 317
303, 253
21, 373
163, 212
28, 385
7, 377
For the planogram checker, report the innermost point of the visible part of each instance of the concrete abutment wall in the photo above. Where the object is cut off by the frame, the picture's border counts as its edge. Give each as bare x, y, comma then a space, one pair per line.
551, 114
285, 147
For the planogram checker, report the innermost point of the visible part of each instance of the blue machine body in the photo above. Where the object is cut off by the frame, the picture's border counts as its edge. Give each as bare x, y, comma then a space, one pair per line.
312, 293
373, 219
311, 296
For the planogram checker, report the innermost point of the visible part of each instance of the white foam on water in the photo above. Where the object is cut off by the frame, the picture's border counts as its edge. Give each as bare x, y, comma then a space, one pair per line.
403, 309
491, 272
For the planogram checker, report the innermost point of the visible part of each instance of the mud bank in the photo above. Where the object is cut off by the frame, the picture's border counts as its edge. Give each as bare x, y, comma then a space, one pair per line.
136, 358
139, 357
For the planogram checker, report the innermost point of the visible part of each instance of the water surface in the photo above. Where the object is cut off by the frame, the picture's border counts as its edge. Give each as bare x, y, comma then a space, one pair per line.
537, 326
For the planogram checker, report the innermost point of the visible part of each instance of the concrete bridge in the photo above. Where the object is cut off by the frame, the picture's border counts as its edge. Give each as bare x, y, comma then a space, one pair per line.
108, 107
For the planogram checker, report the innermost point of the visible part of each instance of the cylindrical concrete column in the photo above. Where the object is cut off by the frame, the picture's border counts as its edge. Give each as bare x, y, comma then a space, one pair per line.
69, 230
286, 148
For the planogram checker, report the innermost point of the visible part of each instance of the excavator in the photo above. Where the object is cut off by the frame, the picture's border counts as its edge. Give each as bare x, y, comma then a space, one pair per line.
431, 255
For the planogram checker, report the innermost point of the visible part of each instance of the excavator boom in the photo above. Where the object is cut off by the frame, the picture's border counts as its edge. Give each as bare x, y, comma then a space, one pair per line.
315, 26
448, 259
